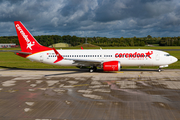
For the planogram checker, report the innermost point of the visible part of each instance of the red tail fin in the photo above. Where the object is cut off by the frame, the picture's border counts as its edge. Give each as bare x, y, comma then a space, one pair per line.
27, 42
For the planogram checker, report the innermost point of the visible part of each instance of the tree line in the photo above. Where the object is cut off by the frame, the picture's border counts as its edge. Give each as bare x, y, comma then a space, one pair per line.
48, 40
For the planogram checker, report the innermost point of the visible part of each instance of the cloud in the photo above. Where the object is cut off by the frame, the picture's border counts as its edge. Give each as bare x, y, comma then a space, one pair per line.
106, 18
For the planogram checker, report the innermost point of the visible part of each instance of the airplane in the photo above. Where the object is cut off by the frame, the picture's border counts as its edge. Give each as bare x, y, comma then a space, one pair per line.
107, 59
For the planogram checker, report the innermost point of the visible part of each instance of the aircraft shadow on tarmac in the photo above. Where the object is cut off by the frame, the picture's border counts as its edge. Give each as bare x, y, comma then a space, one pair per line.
78, 71
69, 69
75, 71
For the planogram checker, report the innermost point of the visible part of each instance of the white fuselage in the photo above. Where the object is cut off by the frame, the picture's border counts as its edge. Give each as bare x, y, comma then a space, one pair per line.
127, 57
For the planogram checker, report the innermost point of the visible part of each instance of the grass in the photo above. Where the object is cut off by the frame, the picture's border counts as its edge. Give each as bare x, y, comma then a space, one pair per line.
176, 54
10, 60
134, 47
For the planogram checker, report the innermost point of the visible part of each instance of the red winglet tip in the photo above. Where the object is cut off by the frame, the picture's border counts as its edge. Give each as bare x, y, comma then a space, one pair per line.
59, 57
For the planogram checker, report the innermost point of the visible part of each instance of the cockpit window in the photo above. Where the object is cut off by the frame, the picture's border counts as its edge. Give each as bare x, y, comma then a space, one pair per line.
166, 54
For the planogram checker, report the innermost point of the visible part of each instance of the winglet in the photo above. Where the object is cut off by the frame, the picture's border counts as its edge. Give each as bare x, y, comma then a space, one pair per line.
82, 48
59, 57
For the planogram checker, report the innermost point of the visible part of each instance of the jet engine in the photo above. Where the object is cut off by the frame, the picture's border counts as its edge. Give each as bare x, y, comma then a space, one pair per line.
111, 66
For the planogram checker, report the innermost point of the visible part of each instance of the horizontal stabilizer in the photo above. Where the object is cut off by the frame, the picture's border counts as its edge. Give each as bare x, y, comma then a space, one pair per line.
25, 53
16, 51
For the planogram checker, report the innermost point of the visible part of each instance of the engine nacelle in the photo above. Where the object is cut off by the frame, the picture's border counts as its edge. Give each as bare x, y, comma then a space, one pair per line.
112, 66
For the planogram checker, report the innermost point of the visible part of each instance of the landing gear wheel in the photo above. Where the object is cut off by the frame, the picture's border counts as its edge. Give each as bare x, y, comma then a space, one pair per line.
91, 70
159, 70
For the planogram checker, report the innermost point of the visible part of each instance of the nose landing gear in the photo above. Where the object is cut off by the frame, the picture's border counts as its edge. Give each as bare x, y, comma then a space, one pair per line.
93, 69
159, 70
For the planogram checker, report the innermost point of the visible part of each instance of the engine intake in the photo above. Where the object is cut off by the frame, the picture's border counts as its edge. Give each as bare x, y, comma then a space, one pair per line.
112, 66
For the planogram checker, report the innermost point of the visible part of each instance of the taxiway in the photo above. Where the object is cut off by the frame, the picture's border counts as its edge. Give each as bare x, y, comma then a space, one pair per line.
73, 94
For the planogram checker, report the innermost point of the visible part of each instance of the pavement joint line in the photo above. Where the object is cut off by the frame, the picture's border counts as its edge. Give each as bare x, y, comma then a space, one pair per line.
81, 85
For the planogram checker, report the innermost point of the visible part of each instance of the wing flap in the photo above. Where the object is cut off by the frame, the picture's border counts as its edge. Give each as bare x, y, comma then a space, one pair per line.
83, 60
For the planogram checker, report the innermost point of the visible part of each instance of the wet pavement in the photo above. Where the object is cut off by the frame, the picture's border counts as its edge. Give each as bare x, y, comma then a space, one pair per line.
79, 95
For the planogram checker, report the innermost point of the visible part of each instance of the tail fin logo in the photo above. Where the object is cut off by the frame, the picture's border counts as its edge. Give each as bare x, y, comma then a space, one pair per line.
29, 43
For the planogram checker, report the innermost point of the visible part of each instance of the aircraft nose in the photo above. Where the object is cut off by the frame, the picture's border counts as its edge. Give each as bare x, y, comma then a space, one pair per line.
174, 59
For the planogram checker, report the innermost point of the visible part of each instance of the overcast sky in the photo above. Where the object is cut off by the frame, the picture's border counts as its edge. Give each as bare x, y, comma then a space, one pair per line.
104, 18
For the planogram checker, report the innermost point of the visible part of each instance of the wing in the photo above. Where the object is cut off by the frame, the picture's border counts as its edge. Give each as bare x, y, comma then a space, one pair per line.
85, 62
81, 62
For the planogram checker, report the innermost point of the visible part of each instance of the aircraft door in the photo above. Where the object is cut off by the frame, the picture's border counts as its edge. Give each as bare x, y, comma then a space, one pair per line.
157, 56
41, 57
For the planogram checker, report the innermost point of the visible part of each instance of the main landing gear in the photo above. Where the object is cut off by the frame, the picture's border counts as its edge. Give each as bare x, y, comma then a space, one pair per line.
159, 70
93, 69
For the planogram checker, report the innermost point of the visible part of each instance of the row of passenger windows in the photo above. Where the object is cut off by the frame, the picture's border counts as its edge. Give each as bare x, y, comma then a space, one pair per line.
81, 55
101, 55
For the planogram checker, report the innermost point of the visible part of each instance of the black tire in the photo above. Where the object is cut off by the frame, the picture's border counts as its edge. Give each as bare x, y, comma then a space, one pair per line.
159, 70
91, 70
94, 69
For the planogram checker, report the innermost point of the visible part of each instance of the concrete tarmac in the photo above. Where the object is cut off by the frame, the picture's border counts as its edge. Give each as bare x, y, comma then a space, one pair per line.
76, 94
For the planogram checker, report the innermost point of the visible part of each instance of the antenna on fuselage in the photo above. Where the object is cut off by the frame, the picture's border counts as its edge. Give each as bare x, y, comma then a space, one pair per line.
86, 40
